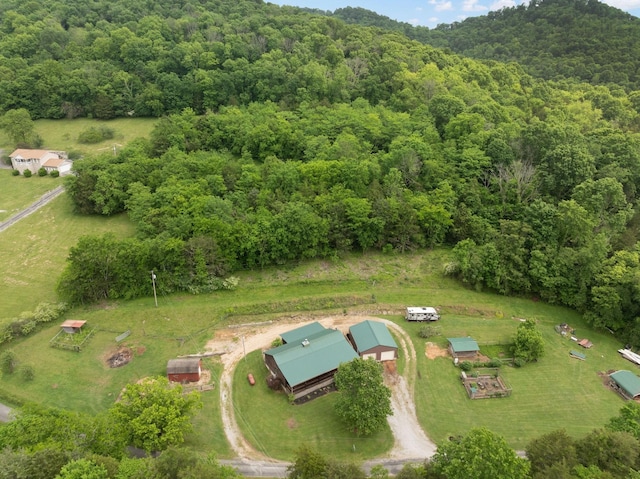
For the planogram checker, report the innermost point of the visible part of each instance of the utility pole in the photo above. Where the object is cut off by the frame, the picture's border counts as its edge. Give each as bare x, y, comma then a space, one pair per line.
153, 281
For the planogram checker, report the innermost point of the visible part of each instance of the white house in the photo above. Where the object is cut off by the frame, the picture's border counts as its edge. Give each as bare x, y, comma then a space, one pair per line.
25, 159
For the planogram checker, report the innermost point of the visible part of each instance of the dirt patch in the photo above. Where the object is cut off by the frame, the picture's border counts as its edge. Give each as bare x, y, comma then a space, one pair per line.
433, 351
120, 357
292, 423
140, 350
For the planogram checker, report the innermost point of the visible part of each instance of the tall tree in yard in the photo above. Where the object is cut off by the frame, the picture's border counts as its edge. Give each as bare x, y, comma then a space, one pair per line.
481, 454
364, 402
529, 345
153, 415
19, 126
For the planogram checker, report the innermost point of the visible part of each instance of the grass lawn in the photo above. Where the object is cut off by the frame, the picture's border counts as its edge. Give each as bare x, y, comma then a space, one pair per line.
63, 134
278, 429
556, 392
18, 192
36, 248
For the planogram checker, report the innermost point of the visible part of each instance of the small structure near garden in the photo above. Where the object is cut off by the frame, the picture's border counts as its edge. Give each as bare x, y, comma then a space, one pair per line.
72, 335
184, 370
463, 348
72, 326
485, 384
625, 383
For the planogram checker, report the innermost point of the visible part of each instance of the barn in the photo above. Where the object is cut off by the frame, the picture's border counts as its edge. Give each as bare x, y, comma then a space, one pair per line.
420, 313
372, 339
184, 370
626, 383
463, 348
308, 362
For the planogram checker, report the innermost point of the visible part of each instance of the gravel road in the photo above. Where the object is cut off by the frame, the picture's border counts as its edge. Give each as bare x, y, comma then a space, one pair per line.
44, 199
411, 443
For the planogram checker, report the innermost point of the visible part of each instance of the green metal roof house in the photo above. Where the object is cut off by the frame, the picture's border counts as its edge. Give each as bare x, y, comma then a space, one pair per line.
308, 362
302, 332
372, 339
463, 347
626, 383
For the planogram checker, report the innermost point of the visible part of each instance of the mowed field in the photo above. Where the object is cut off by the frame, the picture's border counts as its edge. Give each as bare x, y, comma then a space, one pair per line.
556, 392
63, 134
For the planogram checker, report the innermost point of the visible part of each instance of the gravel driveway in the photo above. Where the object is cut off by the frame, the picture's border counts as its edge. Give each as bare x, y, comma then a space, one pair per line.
411, 443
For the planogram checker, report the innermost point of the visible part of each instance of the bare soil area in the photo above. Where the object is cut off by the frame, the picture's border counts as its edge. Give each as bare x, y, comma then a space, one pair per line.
410, 440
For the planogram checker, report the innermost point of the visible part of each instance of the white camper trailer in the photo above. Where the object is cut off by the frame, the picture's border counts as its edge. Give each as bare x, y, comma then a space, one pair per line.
422, 314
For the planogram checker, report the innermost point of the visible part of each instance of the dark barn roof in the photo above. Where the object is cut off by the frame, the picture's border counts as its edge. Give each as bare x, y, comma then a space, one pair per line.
183, 365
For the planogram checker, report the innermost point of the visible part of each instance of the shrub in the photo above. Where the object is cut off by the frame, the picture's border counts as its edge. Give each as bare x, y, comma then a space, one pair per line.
27, 173
519, 362
494, 363
42, 171
27, 372
28, 327
55, 173
276, 342
466, 366
8, 362
96, 134
428, 330
15, 172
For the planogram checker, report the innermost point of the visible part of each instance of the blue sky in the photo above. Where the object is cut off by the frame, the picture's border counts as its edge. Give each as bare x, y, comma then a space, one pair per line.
430, 13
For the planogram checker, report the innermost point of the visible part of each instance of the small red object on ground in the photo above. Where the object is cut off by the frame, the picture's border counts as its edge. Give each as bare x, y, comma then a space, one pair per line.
251, 380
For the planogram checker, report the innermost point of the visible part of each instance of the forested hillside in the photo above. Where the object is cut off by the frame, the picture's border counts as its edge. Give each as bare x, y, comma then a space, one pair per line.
289, 135
552, 39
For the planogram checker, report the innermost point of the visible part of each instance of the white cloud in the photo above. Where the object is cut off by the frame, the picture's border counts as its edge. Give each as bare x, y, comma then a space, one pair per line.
623, 4
414, 21
441, 5
473, 6
500, 4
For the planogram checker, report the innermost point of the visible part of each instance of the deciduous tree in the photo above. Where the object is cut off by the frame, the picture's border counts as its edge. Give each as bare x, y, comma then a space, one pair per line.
364, 402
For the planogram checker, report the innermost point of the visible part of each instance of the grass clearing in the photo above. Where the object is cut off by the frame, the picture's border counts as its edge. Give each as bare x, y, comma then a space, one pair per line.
18, 192
63, 134
278, 429
36, 248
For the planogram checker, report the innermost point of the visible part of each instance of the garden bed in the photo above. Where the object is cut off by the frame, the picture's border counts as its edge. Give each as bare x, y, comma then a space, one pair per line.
485, 384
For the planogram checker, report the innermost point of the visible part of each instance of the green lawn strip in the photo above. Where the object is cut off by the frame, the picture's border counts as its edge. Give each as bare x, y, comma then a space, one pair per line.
277, 428
18, 192
208, 433
37, 247
557, 392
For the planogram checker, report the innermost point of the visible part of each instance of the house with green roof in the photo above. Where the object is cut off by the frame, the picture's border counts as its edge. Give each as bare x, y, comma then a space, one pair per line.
466, 348
626, 383
309, 359
372, 339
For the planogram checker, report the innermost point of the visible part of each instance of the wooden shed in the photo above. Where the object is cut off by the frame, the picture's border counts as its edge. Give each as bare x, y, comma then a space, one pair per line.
463, 348
184, 370
626, 383
72, 326
420, 313
372, 339
308, 362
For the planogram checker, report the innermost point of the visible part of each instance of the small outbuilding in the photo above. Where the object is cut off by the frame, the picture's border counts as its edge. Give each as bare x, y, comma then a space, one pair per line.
420, 313
184, 370
625, 383
72, 326
585, 343
463, 348
372, 339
